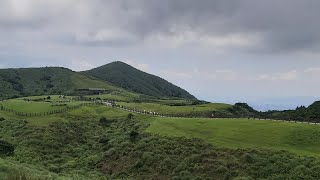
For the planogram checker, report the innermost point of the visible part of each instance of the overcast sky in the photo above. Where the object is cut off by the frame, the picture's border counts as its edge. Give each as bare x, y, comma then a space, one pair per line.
215, 49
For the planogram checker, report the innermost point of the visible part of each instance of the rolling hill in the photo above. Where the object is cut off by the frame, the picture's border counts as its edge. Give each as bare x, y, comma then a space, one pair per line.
47, 80
102, 142
117, 78
310, 113
128, 77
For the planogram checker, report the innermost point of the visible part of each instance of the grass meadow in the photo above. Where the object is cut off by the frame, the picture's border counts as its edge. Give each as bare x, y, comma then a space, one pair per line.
166, 109
76, 144
302, 139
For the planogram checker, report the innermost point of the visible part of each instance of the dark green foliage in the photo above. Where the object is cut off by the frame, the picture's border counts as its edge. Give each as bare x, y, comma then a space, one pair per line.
104, 121
6, 148
242, 110
2, 119
238, 110
130, 116
128, 77
309, 114
34, 81
123, 150
45, 81
134, 135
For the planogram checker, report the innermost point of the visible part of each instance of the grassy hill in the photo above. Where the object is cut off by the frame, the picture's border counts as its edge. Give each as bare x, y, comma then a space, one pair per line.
309, 114
119, 81
186, 110
128, 77
81, 144
200, 109
48, 80
302, 139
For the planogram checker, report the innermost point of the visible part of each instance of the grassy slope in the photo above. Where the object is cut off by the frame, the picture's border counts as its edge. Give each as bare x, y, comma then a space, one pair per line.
232, 133
166, 109
302, 139
38, 138
49, 80
12, 170
118, 96
78, 147
128, 77
81, 81
35, 107
33, 81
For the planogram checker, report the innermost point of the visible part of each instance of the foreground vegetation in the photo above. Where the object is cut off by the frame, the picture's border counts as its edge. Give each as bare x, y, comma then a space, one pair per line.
100, 142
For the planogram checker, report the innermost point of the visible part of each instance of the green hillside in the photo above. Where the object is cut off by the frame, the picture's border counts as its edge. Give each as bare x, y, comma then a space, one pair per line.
302, 139
101, 142
48, 80
200, 109
128, 77
302, 113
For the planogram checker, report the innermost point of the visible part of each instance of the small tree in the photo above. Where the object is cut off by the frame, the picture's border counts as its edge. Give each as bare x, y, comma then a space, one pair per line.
130, 116
104, 121
134, 135
6, 148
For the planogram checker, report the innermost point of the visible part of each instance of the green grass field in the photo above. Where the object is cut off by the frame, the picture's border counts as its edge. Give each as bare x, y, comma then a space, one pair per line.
231, 133
73, 144
85, 112
36, 107
117, 95
166, 109
303, 139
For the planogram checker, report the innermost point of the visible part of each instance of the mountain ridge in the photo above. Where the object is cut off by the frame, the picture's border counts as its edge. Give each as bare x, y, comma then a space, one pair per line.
18, 82
44, 81
131, 78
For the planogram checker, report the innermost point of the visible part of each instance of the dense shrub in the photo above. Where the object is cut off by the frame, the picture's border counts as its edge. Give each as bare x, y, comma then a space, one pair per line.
130, 116
104, 121
122, 150
134, 135
6, 148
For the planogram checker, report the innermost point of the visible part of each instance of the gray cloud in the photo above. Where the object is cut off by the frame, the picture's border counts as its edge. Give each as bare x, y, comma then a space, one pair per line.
212, 48
272, 26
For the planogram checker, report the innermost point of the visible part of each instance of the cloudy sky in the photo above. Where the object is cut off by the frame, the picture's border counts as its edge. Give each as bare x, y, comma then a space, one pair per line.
216, 49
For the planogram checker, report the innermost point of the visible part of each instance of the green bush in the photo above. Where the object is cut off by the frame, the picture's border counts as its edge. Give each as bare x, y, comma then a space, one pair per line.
134, 135
6, 148
81, 147
104, 121
130, 116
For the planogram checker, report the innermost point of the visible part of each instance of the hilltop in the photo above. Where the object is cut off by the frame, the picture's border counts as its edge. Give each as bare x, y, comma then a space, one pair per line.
116, 77
47, 80
128, 77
